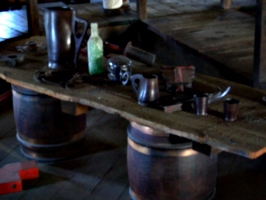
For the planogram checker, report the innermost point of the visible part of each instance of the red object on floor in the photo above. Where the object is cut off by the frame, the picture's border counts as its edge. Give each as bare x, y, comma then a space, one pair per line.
12, 175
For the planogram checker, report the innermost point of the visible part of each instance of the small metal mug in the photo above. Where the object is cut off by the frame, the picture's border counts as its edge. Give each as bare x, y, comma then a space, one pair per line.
147, 88
201, 104
231, 107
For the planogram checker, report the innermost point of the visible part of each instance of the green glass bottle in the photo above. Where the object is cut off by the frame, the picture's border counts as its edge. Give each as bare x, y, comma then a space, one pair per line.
95, 51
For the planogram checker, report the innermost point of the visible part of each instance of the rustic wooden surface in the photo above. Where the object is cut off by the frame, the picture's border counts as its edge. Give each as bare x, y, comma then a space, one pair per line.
93, 12
224, 36
9, 24
244, 137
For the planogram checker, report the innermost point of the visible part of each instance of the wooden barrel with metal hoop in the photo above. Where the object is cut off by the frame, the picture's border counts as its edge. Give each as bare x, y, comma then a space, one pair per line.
43, 130
163, 167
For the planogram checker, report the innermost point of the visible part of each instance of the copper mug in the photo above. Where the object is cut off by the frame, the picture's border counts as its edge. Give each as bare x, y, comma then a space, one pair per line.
146, 87
63, 44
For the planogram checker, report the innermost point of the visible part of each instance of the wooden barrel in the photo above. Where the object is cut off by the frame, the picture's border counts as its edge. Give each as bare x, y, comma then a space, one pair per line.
160, 167
43, 130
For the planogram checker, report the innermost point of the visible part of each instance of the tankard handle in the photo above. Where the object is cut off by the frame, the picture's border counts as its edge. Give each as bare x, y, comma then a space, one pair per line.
125, 76
135, 85
79, 39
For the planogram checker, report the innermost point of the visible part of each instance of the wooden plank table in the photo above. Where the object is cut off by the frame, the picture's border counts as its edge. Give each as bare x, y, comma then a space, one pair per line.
245, 137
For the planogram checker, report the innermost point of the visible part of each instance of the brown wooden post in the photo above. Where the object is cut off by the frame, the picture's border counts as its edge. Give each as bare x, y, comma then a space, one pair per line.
142, 8
259, 68
226, 4
33, 17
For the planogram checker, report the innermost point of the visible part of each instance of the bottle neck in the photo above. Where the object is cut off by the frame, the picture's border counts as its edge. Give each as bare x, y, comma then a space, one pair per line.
94, 29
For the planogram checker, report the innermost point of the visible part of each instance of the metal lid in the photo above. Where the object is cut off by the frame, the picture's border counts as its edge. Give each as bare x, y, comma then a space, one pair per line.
119, 61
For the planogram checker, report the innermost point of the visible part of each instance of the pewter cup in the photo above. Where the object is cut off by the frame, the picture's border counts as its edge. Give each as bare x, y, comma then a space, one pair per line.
63, 44
231, 109
201, 104
147, 88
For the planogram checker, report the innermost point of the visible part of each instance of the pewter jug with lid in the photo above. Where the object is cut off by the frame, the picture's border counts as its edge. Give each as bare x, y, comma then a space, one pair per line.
63, 44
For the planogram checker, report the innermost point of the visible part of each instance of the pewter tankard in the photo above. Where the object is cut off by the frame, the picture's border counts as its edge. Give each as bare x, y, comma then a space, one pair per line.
63, 44
147, 88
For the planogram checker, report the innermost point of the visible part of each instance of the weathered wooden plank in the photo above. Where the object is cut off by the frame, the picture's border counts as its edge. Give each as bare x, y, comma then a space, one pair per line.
214, 131
7, 32
125, 195
7, 146
101, 159
105, 134
94, 170
117, 179
161, 8
214, 34
206, 32
210, 23
11, 147
172, 22
15, 19
93, 13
